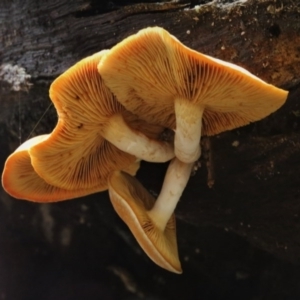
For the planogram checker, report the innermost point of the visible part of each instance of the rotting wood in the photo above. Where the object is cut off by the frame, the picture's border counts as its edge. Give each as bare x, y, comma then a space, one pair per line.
261, 35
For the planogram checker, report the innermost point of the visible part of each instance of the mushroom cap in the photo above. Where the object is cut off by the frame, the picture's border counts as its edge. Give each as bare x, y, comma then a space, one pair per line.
149, 70
76, 156
21, 181
131, 201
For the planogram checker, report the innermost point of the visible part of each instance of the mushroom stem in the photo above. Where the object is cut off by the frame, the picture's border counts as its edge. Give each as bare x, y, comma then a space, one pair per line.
135, 143
176, 178
188, 130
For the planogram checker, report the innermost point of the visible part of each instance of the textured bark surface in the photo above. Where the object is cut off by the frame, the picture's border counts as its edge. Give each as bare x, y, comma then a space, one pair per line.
237, 239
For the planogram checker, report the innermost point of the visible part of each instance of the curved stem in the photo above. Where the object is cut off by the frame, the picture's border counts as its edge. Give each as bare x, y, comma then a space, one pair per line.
188, 130
136, 143
175, 181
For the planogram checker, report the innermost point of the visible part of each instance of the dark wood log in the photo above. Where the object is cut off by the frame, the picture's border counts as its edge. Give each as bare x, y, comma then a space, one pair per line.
260, 35
246, 225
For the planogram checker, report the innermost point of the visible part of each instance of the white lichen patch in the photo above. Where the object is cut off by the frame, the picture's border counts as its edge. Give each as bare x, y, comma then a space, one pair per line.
15, 76
223, 4
197, 8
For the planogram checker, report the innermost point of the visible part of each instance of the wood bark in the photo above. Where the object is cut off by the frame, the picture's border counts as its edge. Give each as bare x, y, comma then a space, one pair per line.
253, 172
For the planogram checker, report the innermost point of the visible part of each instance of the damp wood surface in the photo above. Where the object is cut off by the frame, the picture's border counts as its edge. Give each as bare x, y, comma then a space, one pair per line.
260, 35
252, 207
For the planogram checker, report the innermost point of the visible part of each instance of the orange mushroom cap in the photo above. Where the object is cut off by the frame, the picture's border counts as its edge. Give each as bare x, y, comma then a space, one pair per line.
77, 154
21, 181
164, 82
132, 202
150, 70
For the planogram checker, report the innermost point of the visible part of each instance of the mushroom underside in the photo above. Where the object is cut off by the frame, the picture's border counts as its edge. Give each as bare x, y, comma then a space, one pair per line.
132, 202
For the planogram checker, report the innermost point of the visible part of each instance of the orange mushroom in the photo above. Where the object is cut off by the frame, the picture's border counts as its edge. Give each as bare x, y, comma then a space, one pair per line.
164, 82
21, 181
153, 225
94, 134
156, 77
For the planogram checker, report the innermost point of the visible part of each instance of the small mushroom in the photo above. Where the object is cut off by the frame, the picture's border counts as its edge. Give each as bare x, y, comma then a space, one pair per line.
94, 134
21, 181
164, 82
152, 222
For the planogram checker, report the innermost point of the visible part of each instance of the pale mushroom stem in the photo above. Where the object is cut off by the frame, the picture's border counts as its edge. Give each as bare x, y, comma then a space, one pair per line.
135, 143
188, 130
175, 181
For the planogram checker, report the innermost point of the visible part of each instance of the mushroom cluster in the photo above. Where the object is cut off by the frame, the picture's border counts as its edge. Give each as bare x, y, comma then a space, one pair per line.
113, 108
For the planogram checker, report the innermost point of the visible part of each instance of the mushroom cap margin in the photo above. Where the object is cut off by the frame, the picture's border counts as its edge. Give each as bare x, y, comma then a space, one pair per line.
131, 202
21, 181
151, 68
